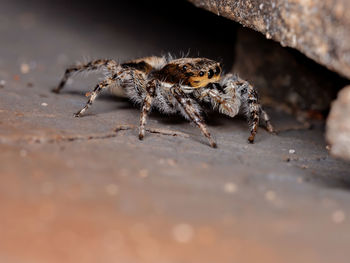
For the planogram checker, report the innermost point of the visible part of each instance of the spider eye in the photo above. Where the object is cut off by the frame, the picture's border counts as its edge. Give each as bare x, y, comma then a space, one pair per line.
210, 74
201, 73
217, 70
184, 67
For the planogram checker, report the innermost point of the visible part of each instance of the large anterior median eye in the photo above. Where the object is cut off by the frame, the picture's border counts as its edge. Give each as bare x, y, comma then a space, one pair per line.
184, 67
201, 73
210, 74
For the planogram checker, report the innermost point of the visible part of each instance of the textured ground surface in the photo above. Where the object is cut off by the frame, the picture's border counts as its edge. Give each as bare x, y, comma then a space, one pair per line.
73, 190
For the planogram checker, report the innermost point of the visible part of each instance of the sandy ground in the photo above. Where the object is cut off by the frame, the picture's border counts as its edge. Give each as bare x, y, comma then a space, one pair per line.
74, 190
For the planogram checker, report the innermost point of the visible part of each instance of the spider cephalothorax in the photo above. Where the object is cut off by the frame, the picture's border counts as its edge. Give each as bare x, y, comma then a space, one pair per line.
177, 86
193, 72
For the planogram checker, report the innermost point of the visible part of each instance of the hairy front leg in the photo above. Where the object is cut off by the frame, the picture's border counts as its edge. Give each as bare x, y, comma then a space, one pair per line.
108, 64
193, 112
225, 101
251, 105
253, 113
99, 87
249, 99
146, 106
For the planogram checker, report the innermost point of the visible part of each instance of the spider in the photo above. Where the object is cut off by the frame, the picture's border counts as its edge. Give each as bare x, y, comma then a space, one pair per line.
182, 85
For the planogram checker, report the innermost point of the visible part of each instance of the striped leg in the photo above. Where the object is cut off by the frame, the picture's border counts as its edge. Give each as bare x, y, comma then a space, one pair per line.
266, 118
146, 106
108, 64
192, 110
104, 84
253, 109
249, 99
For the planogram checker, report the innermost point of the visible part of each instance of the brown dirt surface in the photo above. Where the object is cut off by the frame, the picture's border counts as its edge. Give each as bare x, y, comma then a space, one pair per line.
77, 190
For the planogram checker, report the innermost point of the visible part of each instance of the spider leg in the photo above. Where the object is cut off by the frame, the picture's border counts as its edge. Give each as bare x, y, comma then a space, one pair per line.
193, 111
253, 112
266, 118
223, 100
102, 85
250, 102
109, 64
146, 106
248, 97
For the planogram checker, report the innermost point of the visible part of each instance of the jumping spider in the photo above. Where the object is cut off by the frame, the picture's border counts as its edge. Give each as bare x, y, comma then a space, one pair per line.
177, 86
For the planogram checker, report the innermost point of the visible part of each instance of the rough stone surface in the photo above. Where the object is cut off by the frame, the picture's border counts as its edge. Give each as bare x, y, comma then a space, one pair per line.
74, 190
338, 125
319, 29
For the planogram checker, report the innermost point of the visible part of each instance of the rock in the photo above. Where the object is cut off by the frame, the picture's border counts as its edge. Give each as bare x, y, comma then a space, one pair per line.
338, 125
319, 29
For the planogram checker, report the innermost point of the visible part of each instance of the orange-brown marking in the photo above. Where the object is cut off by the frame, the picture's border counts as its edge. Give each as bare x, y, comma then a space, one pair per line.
198, 82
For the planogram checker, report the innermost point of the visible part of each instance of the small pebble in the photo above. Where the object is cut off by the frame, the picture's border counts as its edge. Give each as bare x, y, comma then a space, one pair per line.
44, 104
304, 166
338, 216
230, 188
30, 84
183, 233
292, 151
2, 83
112, 189
286, 159
143, 173
270, 195
24, 68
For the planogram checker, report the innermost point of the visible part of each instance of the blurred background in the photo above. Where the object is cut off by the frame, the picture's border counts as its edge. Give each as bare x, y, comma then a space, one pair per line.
75, 190
130, 29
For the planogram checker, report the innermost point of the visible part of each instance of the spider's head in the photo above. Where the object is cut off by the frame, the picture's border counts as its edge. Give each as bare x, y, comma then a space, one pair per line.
193, 72
199, 72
